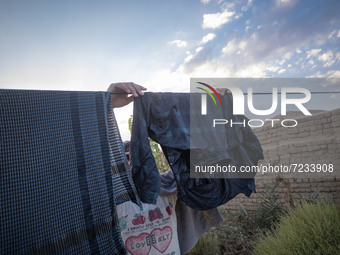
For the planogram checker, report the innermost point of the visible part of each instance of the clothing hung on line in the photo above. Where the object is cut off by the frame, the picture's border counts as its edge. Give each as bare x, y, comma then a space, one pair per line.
62, 172
191, 223
165, 118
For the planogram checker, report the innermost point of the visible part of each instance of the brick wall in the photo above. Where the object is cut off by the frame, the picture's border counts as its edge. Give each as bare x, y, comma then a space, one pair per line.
315, 140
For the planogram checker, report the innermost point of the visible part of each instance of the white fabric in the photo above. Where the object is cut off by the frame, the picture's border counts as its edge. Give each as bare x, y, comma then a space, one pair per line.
152, 230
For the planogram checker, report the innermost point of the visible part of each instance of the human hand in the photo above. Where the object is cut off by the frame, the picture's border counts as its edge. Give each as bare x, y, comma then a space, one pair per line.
120, 100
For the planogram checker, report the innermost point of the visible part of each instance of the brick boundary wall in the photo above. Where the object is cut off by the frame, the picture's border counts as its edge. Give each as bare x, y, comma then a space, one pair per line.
315, 140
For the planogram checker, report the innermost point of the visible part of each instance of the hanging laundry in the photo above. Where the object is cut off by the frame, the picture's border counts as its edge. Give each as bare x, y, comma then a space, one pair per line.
165, 118
191, 223
62, 173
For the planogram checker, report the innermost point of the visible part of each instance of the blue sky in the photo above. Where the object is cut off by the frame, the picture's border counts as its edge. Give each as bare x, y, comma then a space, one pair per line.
86, 45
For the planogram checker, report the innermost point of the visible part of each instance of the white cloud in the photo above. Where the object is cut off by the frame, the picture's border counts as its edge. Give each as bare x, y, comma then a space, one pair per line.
230, 47
337, 56
242, 45
235, 47
205, 1
284, 3
219, 68
281, 62
199, 49
332, 34
253, 70
279, 47
208, 38
327, 58
288, 55
216, 20
178, 43
329, 74
285, 57
238, 16
281, 71
333, 74
191, 56
273, 68
171, 81
248, 5
188, 58
227, 5
312, 53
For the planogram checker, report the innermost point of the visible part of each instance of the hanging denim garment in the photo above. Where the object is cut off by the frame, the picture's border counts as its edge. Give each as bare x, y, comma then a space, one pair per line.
165, 118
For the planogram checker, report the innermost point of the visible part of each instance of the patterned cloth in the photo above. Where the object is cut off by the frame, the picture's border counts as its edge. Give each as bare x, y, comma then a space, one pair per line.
62, 172
166, 118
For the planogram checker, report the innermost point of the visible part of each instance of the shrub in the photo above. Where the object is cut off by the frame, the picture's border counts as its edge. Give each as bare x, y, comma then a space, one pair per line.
238, 232
269, 208
208, 244
310, 228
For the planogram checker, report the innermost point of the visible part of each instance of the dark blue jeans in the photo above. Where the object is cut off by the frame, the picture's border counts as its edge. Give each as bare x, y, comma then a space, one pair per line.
166, 118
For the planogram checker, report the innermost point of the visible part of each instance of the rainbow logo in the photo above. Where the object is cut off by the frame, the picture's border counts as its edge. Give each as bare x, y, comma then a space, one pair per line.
209, 93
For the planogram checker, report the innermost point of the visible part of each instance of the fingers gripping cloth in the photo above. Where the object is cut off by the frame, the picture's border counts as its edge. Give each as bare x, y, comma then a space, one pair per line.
62, 172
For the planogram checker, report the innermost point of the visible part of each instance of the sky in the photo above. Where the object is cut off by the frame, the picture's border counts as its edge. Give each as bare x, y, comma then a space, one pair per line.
87, 45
